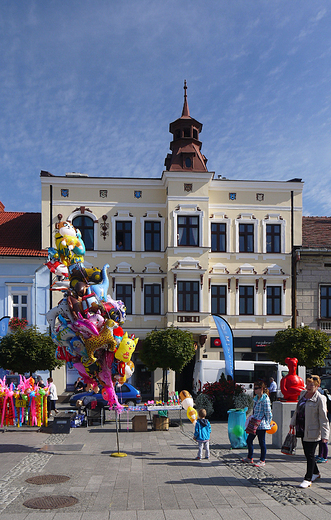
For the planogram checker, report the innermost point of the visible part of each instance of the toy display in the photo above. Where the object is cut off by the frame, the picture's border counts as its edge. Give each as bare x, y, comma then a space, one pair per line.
25, 403
87, 323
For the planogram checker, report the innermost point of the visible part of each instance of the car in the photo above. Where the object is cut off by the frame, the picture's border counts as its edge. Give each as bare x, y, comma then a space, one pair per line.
127, 394
326, 383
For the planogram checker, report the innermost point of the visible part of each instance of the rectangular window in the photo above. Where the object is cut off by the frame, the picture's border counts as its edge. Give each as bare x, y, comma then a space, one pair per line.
188, 231
273, 238
218, 299
218, 237
124, 235
325, 301
124, 293
188, 296
152, 298
246, 299
274, 298
20, 306
246, 238
152, 236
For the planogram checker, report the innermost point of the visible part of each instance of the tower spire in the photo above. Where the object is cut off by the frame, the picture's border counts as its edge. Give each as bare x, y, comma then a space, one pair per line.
186, 111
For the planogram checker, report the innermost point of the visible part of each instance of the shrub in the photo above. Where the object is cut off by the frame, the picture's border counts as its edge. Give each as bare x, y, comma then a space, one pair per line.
243, 401
203, 401
222, 394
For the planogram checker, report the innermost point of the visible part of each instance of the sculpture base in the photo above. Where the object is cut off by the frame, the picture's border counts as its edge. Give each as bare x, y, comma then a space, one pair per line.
282, 413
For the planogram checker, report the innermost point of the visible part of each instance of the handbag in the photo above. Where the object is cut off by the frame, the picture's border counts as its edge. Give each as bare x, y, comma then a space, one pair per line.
252, 425
290, 443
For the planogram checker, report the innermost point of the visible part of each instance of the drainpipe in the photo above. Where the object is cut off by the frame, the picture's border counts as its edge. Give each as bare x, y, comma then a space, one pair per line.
293, 268
50, 240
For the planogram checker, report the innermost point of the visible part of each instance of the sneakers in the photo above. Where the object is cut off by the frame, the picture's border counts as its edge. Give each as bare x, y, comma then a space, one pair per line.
315, 477
207, 458
197, 458
321, 460
246, 459
305, 484
260, 464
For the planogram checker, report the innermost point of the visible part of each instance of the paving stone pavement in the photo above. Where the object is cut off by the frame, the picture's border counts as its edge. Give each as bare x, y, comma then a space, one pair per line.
158, 479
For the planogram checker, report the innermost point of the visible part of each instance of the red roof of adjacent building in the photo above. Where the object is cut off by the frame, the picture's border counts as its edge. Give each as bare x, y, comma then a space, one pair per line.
20, 233
316, 232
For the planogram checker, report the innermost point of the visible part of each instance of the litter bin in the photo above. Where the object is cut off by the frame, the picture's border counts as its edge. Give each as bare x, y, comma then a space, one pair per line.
236, 427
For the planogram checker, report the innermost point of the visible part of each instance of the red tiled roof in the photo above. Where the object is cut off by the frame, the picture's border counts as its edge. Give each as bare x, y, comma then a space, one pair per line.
316, 232
20, 234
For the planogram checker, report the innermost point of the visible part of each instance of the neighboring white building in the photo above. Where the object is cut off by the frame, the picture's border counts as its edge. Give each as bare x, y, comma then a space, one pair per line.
191, 243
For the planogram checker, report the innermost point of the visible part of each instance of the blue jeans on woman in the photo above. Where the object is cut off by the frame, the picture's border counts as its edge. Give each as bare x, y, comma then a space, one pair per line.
261, 437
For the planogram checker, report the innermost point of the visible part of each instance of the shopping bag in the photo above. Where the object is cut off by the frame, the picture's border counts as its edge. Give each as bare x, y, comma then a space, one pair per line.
290, 443
252, 425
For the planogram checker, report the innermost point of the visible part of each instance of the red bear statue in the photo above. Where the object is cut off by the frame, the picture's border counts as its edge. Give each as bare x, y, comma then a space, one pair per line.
292, 385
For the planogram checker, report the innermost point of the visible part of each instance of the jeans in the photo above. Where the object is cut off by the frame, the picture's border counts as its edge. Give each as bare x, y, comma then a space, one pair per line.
323, 449
203, 444
261, 437
309, 449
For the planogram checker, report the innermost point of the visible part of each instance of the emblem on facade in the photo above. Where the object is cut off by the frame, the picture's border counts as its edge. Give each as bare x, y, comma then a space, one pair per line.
260, 196
138, 194
188, 187
103, 194
64, 193
232, 196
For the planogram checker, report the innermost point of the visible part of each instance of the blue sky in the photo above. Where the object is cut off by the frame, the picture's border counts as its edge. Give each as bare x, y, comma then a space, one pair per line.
92, 85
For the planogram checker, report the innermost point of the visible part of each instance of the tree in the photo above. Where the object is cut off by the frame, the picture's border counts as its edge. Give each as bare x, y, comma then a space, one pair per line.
169, 348
28, 350
309, 346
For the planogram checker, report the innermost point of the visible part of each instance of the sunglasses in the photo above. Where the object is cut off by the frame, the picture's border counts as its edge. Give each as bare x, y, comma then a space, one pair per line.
257, 387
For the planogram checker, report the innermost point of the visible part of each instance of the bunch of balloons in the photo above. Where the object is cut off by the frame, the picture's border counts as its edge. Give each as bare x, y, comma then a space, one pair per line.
24, 404
187, 403
87, 323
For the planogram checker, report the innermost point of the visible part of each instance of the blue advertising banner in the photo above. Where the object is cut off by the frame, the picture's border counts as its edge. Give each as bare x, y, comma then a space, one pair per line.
226, 337
4, 326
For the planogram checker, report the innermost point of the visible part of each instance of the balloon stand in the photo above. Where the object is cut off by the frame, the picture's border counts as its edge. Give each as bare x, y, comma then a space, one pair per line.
117, 453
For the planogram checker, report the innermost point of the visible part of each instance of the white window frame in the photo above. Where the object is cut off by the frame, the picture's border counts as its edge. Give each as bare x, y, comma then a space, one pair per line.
119, 281
187, 210
123, 215
251, 284
221, 219
20, 290
191, 279
273, 219
283, 299
247, 218
152, 216
94, 218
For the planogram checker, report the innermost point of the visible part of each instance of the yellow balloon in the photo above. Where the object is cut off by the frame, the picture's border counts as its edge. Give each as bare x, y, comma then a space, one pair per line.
192, 414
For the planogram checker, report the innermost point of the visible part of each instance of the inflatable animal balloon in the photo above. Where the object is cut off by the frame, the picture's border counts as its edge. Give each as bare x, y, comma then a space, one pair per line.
292, 385
186, 399
126, 348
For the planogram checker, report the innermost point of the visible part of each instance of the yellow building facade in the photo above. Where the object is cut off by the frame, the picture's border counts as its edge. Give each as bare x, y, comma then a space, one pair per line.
186, 245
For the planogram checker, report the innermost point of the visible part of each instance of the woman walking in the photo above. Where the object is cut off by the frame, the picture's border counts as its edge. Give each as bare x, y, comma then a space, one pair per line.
261, 412
311, 422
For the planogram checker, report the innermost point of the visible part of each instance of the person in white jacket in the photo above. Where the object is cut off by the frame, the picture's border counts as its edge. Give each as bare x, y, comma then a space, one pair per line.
311, 423
52, 396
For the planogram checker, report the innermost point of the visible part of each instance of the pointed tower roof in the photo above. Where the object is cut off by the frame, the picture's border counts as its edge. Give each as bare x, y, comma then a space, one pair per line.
186, 148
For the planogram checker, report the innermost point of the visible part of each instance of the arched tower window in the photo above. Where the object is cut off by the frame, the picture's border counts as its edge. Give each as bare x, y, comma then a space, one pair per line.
86, 227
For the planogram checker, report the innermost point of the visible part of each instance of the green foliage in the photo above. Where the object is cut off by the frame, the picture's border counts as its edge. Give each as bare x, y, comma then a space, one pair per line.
168, 349
309, 346
222, 395
203, 401
243, 401
28, 350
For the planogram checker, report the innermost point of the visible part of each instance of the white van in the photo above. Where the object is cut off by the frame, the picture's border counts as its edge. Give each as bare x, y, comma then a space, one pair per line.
246, 372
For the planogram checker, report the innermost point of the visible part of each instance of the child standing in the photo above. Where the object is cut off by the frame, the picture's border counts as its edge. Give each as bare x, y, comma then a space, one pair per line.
202, 434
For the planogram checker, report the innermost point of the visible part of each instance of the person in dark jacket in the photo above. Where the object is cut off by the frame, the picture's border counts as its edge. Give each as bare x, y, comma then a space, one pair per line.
202, 434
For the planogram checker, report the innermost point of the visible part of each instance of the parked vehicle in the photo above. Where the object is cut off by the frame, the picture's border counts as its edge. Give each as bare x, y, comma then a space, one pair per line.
326, 383
246, 372
127, 394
